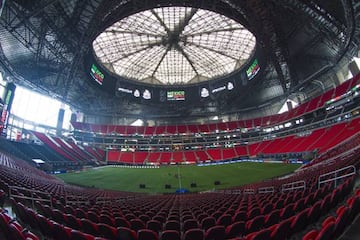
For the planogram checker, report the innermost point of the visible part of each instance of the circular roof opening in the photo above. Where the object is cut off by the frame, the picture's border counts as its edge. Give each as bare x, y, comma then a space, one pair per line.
174, 46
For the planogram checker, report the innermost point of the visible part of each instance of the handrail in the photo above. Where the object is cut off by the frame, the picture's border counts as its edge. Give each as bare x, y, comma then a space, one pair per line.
337, 175
293, 186
249, 191
105, 200
110, 200
259, 137
236, 191
33, 195
75, 199
266, 190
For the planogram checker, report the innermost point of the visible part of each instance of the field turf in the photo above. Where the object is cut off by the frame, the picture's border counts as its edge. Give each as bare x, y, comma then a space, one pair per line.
128, 179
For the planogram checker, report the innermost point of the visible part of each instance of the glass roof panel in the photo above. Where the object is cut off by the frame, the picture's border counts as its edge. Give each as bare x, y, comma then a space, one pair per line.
174, 46
169, 72
140, 65
209, 63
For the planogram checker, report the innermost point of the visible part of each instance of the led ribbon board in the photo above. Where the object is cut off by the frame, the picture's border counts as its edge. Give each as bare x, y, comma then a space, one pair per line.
253, 69
96, 74
176, 95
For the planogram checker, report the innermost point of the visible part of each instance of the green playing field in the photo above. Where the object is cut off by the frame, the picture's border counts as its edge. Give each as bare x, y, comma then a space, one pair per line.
128, 179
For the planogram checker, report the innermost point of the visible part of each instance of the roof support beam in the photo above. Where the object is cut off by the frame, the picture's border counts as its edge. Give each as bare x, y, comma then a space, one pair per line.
270, 37
29, 35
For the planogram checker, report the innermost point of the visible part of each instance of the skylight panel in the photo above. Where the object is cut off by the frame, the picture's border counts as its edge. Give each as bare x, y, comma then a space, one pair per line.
174, 45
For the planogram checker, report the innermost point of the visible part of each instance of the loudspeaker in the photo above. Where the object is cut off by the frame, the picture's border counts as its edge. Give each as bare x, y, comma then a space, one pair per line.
193, 185
141, 185
244, 79
354, 68
167, 186
73, 117
289, 105
162, 96
60, 121
217, 183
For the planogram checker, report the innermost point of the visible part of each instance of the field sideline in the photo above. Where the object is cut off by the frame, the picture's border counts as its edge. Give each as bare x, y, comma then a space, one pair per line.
128, 179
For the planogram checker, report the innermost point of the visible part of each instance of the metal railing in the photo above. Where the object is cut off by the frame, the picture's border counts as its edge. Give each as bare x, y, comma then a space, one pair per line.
76, 200
249, 191
236, 191
266, 190
30, 194
293, 186
336, 175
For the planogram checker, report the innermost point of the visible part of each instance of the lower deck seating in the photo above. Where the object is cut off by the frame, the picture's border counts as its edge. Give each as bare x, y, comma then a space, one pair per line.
319, 140
202, 215
276, 215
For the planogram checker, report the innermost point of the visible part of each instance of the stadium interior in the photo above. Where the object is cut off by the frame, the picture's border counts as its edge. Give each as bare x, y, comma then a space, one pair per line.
97, 85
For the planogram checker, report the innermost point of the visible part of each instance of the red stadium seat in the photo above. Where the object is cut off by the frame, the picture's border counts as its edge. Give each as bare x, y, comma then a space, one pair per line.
193, 234
255, 224
299, 221
207, 223
260, 235
314, 212
147, 234
77, 235
137, 224
122, 222
215, 233
170, 235
125, 233
73, 222
60, 232
281, 230
172, 225
224, 220
236, 229
272, 218
311, 235
327, 232
107, 231
154, 225
89, 227
106, 220
239, 216
189, 224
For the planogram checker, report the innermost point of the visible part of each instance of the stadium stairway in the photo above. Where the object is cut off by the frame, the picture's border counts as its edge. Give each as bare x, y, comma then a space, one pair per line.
213, 206
353, 231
